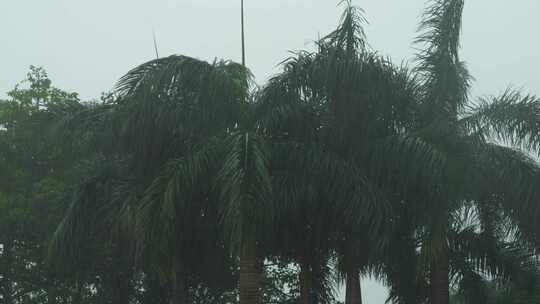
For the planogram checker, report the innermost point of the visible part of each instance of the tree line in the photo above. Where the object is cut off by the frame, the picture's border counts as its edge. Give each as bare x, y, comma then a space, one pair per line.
188, 183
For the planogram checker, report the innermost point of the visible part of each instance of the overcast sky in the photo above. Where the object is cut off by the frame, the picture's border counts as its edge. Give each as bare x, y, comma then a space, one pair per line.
87, 45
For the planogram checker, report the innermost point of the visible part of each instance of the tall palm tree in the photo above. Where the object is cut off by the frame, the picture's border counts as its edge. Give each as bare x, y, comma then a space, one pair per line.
194, 115
340, 101
475, 153
353, 155
162, 115
244, 166
335, 95
220, 158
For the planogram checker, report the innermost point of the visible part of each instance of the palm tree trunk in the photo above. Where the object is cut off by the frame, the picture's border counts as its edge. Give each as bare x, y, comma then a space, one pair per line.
306, 284
439, 278
250, 273
353, 291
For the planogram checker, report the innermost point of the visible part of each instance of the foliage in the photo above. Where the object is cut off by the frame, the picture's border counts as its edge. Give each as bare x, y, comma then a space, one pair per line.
188, 184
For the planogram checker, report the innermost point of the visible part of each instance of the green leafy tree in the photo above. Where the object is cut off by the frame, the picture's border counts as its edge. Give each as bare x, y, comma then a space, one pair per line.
35, 172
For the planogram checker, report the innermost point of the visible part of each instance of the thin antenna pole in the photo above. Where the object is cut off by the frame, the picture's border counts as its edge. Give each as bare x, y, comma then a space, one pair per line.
155, 43
243, 41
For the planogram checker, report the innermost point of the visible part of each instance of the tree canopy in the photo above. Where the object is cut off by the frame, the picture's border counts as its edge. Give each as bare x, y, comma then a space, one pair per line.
190, 184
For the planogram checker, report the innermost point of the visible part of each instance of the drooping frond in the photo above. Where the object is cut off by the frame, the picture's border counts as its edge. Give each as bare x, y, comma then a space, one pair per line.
176, 74
323, 97
493, 258
325, 184
168, 104
480, 257
471, 286
95, 126
290, 105
408, 162
177, 189
512, 118
184, 93
177, 216
509, 178
244, 185
98, 212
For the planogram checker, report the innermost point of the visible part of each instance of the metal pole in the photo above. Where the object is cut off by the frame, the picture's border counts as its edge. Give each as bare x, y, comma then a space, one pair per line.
243, 43
155, 43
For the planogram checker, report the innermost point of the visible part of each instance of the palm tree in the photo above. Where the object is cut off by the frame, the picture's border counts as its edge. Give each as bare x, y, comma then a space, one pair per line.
342, 154
196, 117
213, 160
195, 145
241, 165
426, 120
338, 102
161, 116
476, 154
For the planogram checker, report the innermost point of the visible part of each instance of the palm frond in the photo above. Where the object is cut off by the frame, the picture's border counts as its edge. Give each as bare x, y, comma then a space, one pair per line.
94, 126
244, 184
325, 184
472, 287
496, 259
445, 78
512, 118
176, 74
96, 213
508, 178
175, 191
441, 26
403, 161
349, 35
170, 103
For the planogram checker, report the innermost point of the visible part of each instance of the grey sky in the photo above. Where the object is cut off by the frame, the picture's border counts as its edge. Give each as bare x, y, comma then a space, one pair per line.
87, 45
